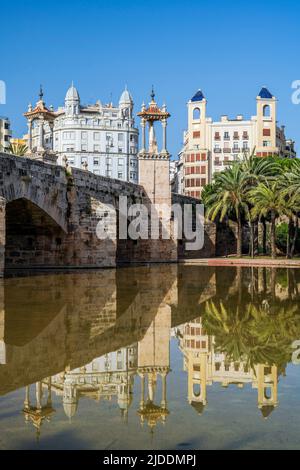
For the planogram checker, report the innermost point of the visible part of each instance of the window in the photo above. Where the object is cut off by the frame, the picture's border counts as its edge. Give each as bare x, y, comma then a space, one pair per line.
83, 160
236, 145
266, 132
68, 148
84, 135
96, 161
120, 137
96, 135
266, 143
266, 111
196, 135
108, 173
120, 161
196, 114
120, 149
84, 148
71, 161
132, 175
203, 157
203, 170
96, 148
226, 135
68, 135
245, 145
120, 175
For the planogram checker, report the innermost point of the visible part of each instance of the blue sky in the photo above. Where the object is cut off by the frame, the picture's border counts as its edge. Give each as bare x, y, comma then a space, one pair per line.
228, 49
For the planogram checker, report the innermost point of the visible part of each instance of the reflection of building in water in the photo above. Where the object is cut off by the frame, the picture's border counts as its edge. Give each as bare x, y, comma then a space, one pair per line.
206, 366
112, 375
154, 362
108, 376
42, 409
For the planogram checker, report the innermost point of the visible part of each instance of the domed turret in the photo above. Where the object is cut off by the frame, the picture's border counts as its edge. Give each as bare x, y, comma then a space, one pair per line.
72, 101
126, 99
72, 94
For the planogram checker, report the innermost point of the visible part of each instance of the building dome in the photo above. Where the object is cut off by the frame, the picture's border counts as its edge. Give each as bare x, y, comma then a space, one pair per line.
72, 94
126, 97
70, 408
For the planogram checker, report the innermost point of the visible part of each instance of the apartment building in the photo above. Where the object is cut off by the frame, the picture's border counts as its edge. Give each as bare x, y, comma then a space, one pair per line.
209, 146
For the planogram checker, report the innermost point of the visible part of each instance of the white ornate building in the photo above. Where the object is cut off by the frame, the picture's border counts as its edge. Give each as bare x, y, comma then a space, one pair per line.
100, 138
5, 133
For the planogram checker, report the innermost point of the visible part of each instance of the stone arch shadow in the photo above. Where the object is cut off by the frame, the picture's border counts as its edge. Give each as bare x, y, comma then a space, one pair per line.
33, 238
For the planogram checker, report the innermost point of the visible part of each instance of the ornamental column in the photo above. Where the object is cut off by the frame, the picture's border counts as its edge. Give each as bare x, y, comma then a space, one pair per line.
143, 126
29, 135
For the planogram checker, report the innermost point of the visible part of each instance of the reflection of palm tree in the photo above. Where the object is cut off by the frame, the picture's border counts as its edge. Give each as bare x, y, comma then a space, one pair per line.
252, 334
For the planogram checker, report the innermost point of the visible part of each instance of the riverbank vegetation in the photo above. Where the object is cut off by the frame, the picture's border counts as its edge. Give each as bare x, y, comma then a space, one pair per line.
259, 194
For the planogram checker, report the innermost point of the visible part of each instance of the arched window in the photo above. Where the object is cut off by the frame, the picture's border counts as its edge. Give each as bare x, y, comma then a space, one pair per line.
196, 390
196, 114
267, 110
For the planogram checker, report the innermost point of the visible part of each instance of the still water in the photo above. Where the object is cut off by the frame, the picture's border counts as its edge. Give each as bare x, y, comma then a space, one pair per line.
161, 357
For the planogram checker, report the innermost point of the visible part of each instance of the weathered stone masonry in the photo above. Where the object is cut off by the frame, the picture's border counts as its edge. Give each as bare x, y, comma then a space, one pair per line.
48, 219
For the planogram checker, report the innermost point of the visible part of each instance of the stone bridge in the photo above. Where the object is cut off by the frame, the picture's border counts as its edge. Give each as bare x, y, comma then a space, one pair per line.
48, 218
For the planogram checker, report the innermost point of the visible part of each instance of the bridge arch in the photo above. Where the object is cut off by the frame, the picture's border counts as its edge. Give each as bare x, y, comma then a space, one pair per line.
32, 237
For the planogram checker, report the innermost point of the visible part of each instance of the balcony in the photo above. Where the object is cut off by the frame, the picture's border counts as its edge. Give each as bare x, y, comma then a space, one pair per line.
236, 137
226, 137
227, 150
217, 163
245, 136
217, 150
236, 150
217, 137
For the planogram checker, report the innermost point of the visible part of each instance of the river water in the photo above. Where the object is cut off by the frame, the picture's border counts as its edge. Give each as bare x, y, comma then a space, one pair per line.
160, 357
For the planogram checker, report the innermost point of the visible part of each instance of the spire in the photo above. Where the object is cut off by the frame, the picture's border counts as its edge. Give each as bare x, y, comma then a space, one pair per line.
41, 94
152, 94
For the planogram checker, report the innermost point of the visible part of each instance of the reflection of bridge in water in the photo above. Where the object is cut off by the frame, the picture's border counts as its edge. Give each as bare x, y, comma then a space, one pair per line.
98, 331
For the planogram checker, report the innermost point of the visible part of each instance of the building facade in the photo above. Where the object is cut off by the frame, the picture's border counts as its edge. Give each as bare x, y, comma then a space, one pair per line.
209, 146
100, 138
5, 133
206, 365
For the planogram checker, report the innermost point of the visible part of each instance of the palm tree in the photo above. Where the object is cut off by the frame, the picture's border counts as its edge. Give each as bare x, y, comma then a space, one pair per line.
227, 198
258, 170
17, 149
290, 186
267, 200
